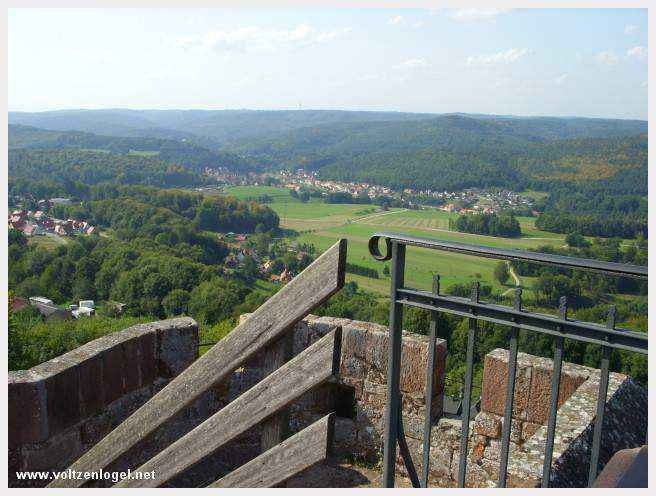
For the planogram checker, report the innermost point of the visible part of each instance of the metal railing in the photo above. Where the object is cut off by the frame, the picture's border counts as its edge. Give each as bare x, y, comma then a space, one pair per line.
560, 328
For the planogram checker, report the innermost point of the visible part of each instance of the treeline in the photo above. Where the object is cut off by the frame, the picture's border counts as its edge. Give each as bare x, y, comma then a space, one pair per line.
592, 225
47, 173
582, 288
362, 270
183, 153
504, 224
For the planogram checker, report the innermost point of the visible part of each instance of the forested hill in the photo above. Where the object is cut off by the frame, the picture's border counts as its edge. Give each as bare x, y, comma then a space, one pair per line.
182, 153
453, 152
450, 151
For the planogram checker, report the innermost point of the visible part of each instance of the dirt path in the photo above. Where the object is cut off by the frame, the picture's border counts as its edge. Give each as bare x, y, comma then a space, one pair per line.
515, 277
377, 214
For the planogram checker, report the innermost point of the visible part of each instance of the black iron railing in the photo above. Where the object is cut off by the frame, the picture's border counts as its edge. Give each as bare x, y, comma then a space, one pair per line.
608, 337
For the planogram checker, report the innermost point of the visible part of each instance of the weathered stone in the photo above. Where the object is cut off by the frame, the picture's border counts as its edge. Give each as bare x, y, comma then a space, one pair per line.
495, 383
27, 413
572, 376
54, 454
488, 424
62, 383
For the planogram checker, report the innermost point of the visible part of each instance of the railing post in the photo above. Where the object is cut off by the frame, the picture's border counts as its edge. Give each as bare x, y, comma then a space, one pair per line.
393, 366
466, 401
601, 402
510, 395
430, 386
555, 392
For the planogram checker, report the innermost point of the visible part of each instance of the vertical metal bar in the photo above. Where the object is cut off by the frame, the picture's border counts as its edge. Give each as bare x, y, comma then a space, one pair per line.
466, 401
601, 402
405, 452
393, 366
430, 387
555, 391
510, 395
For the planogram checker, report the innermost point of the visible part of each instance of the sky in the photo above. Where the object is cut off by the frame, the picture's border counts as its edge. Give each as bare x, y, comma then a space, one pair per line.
560, 62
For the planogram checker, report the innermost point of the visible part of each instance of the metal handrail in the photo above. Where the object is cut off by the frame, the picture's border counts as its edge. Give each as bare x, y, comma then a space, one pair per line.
559, 327
610, 268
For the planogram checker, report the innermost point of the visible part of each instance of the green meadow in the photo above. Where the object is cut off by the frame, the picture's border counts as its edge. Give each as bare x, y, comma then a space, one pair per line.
323, 224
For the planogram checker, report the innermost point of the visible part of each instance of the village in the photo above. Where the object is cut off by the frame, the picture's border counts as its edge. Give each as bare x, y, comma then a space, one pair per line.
39, 223
279, 265
470, 200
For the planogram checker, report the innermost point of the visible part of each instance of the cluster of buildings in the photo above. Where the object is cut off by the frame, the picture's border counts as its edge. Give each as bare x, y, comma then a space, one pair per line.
474, 200
239, 251
301, 179
35, 223
50, 311
471, 200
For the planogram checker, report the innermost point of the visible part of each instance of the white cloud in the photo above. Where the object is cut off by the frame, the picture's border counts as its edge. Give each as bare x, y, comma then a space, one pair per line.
415, 63
606, 58
331, 35
254, 38
395, 20
470, 15
503, 57
637, 52
630, 29
562, 79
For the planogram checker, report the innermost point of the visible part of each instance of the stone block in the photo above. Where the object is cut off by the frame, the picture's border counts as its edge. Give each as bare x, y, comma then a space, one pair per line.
113, 363
147, 361
540, 396
177, 344
92, 396
488, 424
62, 384
27, 410
495, 383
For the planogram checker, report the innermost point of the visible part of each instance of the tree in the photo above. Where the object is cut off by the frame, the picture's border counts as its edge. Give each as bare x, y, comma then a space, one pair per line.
214, 300
576, 240
176, 302
501, 272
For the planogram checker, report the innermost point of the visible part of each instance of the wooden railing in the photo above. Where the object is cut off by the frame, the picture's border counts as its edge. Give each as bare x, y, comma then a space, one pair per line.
265, 330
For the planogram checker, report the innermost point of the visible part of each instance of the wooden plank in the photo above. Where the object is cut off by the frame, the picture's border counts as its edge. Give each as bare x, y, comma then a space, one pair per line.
316, 365
295, 454
318, 282
275, 429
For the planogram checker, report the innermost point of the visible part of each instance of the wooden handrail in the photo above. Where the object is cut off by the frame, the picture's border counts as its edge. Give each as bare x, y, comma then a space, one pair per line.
311, 368
278, 315
295, 454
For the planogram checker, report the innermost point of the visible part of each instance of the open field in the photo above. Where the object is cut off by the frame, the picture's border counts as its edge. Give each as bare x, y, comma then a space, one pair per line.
322, 224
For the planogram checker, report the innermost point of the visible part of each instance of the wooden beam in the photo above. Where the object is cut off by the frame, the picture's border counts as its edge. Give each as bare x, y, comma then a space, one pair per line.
315, 366
276, 428
318, 282
295, 454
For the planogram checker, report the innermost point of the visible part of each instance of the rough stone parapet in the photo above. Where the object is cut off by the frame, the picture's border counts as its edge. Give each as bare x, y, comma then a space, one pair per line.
624, 426
62, 407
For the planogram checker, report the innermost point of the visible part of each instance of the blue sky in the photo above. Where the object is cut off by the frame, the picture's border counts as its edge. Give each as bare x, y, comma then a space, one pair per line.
588, 62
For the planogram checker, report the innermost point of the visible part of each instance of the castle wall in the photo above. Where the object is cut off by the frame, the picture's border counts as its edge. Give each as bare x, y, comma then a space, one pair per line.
61, 408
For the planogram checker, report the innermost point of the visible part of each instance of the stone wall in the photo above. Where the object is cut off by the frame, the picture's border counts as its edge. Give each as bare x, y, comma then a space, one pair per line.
360, 396
62, 407
624, 424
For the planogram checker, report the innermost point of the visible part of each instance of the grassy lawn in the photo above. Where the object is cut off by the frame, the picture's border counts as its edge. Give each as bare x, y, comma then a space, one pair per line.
144, 153
323, 224
48, 242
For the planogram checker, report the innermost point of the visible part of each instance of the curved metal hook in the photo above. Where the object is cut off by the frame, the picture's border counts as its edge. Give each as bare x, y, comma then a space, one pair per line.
375, 251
